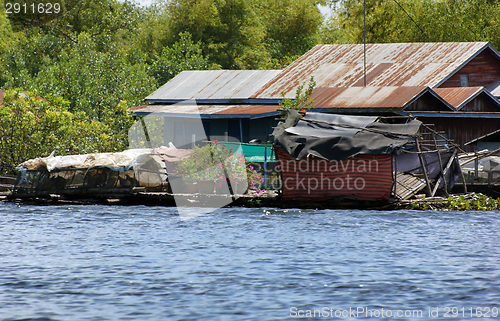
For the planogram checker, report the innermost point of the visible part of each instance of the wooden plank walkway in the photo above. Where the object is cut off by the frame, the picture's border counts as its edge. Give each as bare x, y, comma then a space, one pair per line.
408, 185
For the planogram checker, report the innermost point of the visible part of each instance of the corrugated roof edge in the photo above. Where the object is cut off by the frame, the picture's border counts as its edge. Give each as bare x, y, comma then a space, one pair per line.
400, 97
206, 111
221, 86
482, 91
216, 101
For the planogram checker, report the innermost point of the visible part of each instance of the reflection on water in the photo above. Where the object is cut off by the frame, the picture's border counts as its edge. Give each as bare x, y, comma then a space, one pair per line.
145, 263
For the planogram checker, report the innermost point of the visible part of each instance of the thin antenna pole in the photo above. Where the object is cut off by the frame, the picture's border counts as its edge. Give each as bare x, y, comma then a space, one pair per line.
364, 42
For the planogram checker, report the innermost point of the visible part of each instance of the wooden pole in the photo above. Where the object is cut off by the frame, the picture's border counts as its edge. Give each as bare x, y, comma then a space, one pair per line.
462, 174
424, 167
443, 176
480, 155
440, 167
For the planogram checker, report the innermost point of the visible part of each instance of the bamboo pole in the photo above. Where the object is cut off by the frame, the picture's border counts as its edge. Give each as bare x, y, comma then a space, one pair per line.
480, 156
440, 167
462, 174
443, 176
424, 168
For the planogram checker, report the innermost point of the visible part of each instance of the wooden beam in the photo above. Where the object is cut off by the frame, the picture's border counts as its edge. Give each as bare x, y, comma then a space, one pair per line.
443, 176
462, 174
422, 165
440, 167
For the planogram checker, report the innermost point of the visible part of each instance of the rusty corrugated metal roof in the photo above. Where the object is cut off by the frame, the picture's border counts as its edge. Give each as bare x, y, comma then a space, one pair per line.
376, 184
213, 85
366, 97
206, 111
458, 96
396, 64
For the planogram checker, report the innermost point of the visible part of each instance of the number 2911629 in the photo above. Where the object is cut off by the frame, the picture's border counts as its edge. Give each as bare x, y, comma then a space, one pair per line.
41, 8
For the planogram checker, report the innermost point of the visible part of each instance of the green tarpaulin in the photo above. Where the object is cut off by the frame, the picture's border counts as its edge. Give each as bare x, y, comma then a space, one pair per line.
253, 153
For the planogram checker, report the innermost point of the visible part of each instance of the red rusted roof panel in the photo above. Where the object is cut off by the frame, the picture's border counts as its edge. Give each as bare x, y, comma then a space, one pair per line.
192, 109
248, 110
365, 97
398, 64
458, 96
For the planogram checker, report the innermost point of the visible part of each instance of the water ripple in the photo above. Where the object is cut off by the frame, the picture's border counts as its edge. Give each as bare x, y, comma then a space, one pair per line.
145, 263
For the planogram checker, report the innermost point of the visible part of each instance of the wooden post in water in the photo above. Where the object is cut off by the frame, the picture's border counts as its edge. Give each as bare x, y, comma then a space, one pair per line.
490, 176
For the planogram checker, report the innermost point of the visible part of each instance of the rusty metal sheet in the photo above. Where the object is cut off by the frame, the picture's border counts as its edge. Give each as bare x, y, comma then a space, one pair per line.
458, 96
213, 84
249, 110
398, 64
252, 111
314, 178
366, 97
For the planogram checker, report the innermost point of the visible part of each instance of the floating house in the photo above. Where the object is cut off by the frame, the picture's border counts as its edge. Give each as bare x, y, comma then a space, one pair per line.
326, 156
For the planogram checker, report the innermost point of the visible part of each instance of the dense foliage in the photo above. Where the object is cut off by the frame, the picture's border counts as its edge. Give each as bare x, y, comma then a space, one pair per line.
414, 21
105, 56
33, 127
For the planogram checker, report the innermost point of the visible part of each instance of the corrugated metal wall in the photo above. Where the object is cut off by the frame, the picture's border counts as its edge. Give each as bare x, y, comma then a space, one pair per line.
363, 177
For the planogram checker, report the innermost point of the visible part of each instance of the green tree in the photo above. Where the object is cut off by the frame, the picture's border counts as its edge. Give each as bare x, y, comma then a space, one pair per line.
413, 21
182, 55
7, 41
151, 33
95, 17
230, 30
28, 54
7, 36
31, 127
94, 82
292, 26
247, 34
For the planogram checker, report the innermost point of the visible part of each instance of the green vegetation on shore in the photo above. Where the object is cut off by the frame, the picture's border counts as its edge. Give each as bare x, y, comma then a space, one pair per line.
467, 202
32, 127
